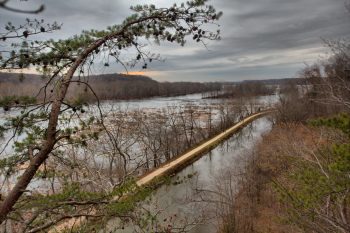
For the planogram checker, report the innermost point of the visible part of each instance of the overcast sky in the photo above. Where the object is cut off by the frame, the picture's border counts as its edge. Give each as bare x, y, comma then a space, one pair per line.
261, 39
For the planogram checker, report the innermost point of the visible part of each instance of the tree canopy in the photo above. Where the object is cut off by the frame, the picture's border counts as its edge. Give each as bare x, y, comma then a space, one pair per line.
39, 122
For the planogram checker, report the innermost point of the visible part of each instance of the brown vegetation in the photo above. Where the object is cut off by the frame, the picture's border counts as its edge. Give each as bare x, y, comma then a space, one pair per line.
297, 178
142, 140
244, 89
257, 205
106, 87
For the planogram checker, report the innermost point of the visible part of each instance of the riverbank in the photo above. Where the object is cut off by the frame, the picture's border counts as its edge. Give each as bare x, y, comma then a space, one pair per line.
182, 202
292, 182
178, 163
193, 154
108, 87
256, 206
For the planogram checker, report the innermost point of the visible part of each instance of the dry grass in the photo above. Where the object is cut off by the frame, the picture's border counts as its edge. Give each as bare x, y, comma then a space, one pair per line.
257, 206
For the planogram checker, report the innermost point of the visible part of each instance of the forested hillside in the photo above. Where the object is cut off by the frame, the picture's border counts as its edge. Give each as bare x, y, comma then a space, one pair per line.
106, 87
297, 179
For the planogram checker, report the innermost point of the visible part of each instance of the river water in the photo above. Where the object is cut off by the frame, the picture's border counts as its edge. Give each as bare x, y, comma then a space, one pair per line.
183, 204
151, 104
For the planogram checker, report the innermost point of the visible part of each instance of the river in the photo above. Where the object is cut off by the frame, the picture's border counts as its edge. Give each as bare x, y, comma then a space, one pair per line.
180, 204
151, 104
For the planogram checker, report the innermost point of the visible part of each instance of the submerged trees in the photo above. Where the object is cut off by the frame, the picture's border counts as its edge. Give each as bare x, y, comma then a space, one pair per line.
300, 172
41, 123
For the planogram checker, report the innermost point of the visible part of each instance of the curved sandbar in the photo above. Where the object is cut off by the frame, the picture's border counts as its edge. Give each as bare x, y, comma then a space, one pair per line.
184, 159
178, 163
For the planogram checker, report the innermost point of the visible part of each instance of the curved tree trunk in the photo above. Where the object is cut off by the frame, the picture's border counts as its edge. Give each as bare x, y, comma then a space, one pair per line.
51, 139
23, 182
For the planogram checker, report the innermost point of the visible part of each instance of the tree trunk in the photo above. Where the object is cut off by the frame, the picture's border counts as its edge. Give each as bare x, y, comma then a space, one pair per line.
23, 182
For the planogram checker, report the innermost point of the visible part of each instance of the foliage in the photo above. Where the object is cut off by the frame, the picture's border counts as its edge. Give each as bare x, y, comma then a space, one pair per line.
341, 122
44, 129
8, 102
319, 193
73, 198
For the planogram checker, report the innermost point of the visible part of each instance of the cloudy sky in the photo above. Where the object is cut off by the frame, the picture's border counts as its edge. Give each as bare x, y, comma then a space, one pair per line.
261, 39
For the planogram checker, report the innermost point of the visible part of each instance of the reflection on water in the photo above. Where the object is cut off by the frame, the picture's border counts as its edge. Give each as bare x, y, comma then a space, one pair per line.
174, 204
181, 204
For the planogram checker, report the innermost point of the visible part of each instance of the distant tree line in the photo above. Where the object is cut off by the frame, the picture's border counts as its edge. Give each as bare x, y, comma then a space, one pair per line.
40, 130
299, 173
327, 89
142, 140
110, 87
106, 87
243, 89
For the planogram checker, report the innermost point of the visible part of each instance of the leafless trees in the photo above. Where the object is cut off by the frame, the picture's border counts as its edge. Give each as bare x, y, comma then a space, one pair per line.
137, 141
329, 80
61, 60
243, 89
106, 87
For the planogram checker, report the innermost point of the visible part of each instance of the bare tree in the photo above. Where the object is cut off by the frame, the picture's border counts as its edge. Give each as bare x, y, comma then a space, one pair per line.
60, 60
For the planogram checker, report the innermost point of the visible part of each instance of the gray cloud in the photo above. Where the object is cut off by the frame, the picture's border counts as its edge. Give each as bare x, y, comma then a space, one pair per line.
261, 38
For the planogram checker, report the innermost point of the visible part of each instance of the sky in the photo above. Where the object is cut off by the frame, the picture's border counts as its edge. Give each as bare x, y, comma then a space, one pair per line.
261, 39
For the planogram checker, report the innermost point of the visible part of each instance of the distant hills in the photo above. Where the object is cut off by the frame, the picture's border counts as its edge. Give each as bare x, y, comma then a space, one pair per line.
34, 78
19, 78
121, 86
281, 81
120, 77
106, 86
